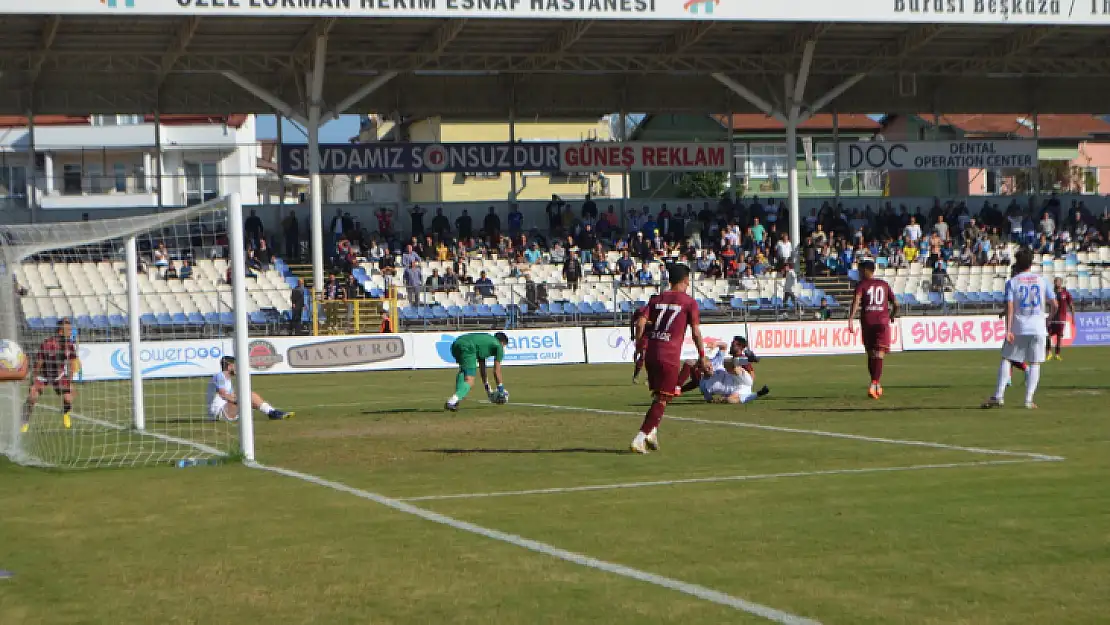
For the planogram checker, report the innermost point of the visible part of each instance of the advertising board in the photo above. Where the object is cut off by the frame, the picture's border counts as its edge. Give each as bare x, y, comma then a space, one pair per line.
944, 333
554, 346
811, 338
160, 359
938, 155
1091, 328
614, 345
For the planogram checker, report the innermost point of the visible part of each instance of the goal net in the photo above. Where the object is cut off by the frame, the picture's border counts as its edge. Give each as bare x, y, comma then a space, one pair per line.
146, 305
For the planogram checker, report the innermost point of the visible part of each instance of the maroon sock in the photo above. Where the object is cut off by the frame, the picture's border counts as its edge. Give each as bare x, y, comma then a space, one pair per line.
653, 417
639, 366
1021, 365
871, 368
878, 374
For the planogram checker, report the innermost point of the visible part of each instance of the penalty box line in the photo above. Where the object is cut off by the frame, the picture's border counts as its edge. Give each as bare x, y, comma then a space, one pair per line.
787, 430
693, 590
713, 480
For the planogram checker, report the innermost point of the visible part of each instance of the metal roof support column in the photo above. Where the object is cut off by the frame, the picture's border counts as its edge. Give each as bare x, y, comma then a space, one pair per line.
315, 103
32, 194
281, 172
836, 158
359, 95
512, 143
831, 95
731, 150
792, 165
1036, 177
269, 98
625, 182
158, 158
750, 96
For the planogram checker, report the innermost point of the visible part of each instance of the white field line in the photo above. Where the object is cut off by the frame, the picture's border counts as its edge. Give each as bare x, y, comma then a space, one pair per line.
122, 428
854, 437
729, 478
700, 592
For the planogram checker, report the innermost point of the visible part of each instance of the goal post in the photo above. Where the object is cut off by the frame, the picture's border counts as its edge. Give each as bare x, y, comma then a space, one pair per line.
150, 304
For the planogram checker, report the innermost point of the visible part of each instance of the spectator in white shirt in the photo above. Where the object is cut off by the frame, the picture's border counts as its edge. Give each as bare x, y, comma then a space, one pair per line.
790, 281
784, 249
941, 228
1048, 226
912, 231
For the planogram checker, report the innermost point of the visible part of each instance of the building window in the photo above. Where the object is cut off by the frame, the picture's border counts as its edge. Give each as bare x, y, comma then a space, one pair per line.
120, 175
824, 158
645, 181
202, 182
418, 178
71, 179
139, 172
1089, 180
676, 177
97, 182
13, 181
116, 120
766, 160
992, 182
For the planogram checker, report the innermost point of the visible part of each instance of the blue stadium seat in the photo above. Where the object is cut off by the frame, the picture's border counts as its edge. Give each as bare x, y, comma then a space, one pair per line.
625, 307
455, 311
258, 318
212, 318
470, 311
83, 322
227, 318
117, 321
911, 300
50, 322
36, 323
555, 308
499, 311
485, 311
408, 313
164, 320
291, 282
148, 319
935, 299
439, 312
737, 303
522, 308
600, 308
101, 322
195, 319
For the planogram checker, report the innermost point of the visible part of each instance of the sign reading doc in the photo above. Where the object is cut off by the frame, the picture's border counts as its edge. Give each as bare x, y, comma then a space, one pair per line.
614, 345
938, 155
557, 346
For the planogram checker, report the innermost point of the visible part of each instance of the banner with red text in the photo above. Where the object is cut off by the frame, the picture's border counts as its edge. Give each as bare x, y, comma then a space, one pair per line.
643, 156
812, 338
947, 333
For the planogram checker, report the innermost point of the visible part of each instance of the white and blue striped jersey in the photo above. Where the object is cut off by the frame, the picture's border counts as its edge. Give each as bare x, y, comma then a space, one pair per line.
1030, 294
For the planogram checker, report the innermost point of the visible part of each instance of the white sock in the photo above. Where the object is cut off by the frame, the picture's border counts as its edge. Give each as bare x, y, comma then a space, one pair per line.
1003, 378
639, 438
750, 397
653, 431
454, 399
265, 408
1032, 379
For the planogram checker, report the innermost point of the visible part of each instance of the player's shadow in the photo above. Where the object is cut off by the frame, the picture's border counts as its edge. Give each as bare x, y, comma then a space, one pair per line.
875, 409
563, 450
385, 411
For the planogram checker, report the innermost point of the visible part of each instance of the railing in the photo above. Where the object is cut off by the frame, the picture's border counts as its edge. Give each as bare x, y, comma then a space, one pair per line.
357, 315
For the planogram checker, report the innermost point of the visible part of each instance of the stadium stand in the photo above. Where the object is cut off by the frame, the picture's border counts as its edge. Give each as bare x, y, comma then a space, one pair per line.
520, 279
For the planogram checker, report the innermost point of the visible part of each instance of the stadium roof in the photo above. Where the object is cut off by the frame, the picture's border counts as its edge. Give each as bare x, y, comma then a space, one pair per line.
75, 62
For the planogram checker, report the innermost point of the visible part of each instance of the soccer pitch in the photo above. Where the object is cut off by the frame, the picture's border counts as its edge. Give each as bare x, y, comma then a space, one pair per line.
815, 504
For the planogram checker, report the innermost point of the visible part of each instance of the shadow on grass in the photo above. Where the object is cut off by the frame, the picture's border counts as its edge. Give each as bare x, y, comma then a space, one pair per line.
385, 411
565, 450
877, 409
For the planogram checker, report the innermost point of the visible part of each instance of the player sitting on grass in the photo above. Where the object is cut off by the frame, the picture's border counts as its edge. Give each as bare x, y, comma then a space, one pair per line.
222, 403
736, 349
55, 363
470, 352
732, 384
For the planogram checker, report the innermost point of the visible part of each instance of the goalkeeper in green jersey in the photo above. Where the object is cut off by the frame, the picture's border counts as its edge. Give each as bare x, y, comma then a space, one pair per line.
471, 352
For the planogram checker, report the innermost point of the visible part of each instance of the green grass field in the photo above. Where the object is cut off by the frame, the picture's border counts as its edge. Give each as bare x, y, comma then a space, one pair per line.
839, 530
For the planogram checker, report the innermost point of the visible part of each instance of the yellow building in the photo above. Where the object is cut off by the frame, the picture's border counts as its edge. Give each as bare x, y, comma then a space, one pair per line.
496, 186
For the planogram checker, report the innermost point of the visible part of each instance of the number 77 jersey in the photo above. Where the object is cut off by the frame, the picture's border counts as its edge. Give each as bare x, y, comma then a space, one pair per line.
670, 313
1030, 294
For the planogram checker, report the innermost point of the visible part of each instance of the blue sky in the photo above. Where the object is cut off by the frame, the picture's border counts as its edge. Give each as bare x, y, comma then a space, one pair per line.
337, 131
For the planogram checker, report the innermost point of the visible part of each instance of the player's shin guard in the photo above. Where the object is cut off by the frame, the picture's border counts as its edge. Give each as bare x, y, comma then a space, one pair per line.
1003, 378
653, 417
461, 387
1032, 379
876, 369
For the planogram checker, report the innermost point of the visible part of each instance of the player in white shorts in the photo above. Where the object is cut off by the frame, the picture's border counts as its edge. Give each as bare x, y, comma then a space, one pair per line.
1029, 301
732, 384
222, 403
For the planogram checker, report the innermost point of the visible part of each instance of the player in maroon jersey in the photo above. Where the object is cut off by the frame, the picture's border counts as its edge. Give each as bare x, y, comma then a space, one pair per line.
1058, 322
639, 339
875, 303
55, 362
669, 314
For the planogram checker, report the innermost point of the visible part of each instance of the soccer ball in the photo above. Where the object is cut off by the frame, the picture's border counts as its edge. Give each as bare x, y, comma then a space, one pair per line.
499, 397
13, 362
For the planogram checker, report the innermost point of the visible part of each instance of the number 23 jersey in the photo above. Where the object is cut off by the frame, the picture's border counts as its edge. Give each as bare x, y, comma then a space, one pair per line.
670, 313
1030, 294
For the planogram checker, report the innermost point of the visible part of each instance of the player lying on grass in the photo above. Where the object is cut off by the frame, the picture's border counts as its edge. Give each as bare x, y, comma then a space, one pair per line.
471, 352
55, 363
874, 302
222, 403
692, 372
669, 313
732, 383
1029, 303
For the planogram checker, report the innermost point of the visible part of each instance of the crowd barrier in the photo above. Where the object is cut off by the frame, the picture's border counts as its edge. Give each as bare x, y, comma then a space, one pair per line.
572, 345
